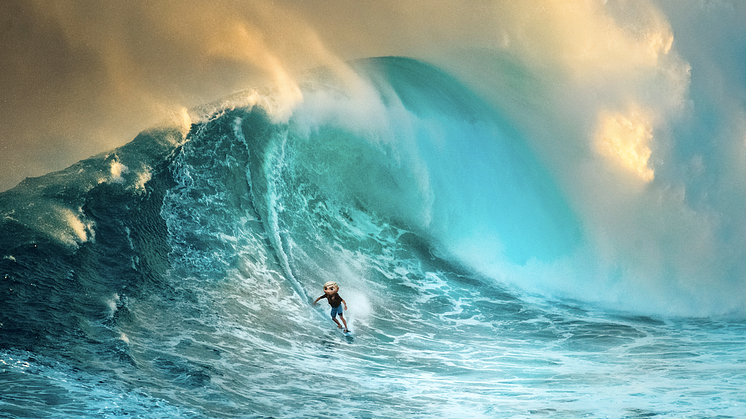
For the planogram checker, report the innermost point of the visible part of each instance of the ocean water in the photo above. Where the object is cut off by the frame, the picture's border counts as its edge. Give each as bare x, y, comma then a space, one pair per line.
174, 276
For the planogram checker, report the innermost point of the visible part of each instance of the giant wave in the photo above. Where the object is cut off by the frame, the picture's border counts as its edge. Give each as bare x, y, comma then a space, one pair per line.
173, 277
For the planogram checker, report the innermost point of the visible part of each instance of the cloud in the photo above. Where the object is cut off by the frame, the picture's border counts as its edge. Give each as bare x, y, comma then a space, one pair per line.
79, 78
624, 138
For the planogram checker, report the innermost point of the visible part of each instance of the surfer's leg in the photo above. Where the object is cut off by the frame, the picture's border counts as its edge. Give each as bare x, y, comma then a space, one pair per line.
337, 311
343, 321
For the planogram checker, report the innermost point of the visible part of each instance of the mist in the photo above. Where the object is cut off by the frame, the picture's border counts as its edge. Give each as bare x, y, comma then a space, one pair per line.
82, 77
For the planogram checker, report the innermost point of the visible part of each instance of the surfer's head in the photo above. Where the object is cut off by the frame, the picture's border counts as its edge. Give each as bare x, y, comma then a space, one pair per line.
331, 287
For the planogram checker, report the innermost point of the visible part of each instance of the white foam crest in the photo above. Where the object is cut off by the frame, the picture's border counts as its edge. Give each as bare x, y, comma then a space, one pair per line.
67, 226
359, 306
112, 304
143, 176
117, 170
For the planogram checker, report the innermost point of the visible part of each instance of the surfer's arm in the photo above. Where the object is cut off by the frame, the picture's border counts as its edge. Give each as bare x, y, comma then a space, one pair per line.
345, 303
317, 300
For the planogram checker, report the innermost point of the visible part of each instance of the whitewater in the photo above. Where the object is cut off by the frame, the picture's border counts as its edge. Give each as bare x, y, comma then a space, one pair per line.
174, 276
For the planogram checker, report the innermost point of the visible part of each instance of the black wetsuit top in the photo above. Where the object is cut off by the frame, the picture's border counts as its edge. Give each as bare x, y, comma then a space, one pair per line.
334, 300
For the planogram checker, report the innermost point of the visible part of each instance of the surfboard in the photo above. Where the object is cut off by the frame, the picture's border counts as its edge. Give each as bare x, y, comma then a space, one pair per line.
349, 337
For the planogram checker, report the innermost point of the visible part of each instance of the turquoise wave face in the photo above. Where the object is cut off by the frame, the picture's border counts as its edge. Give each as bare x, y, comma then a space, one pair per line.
425, 151
407, 145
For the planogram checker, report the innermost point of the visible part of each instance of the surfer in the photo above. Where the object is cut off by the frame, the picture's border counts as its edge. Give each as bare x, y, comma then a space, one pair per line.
331, 294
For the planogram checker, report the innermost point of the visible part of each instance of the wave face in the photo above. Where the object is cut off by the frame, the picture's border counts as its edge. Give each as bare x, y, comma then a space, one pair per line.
173, 277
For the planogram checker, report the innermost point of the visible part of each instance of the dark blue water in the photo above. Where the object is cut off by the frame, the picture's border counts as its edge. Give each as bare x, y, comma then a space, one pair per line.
173, 277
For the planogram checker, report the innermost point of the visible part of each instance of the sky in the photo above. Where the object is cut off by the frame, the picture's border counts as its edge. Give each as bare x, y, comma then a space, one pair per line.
638, 107
81, 77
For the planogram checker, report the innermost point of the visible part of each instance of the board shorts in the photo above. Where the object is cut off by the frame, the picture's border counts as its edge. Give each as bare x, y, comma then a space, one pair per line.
336, 310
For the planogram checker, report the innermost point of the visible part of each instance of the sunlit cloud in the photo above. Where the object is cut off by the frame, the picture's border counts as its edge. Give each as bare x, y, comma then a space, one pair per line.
625, 138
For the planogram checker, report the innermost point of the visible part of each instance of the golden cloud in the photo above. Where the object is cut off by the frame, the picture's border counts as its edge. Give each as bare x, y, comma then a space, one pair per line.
625, 139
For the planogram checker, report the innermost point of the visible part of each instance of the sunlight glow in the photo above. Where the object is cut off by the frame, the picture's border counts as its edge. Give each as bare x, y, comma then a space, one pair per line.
625, 138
